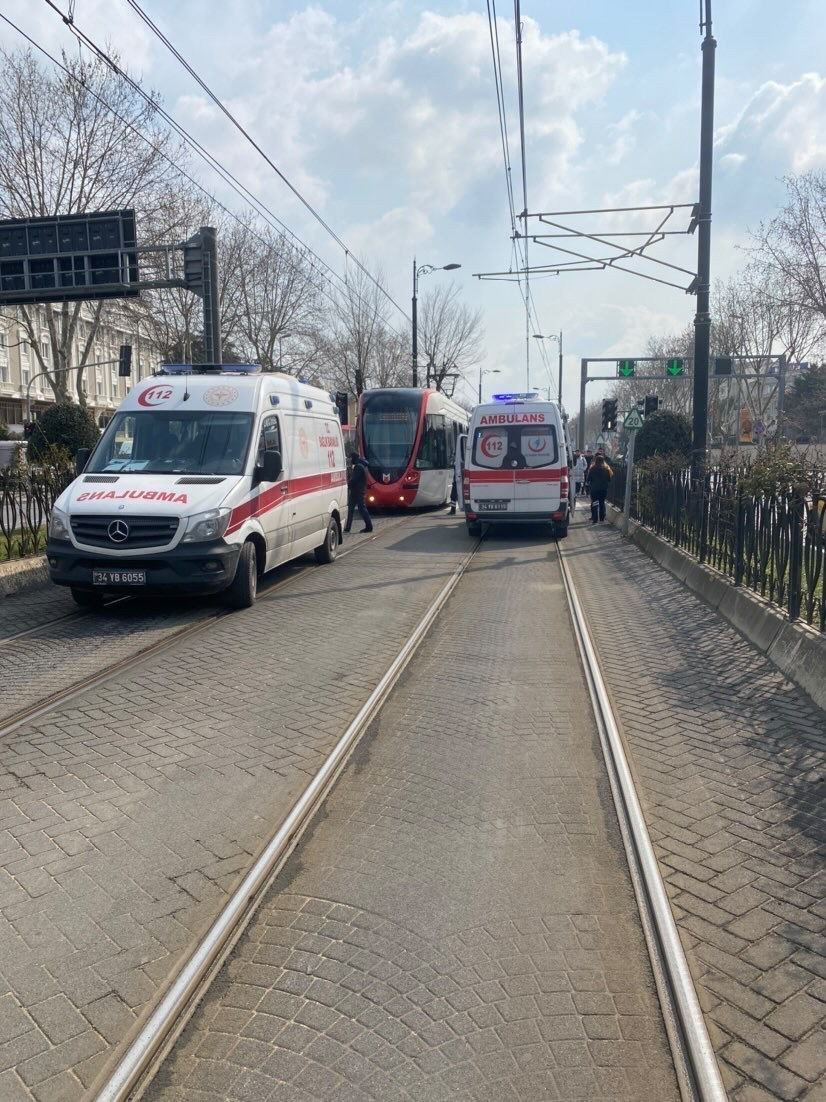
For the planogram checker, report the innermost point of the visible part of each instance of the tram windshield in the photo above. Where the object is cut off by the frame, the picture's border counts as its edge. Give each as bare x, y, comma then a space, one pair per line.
389, 422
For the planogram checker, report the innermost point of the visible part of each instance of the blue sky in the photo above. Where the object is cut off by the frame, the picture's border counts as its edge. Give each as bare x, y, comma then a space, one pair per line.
384, 115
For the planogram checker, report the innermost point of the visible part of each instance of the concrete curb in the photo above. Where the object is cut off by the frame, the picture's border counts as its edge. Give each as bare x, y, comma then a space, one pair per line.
796, 649
21, 574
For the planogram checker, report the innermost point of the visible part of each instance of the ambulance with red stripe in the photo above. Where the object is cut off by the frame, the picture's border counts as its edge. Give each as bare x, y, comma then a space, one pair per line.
203, 480
516, 464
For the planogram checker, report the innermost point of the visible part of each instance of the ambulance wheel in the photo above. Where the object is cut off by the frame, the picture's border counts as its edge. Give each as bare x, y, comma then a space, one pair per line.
474, 529
244, 586
329, 549
87, 598
561, 530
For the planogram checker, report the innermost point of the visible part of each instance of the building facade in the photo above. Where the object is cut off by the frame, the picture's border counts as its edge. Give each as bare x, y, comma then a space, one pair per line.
25, 392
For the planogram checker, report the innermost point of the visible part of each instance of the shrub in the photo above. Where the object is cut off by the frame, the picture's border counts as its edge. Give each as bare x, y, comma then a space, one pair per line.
60, 432
663, 433
6, 433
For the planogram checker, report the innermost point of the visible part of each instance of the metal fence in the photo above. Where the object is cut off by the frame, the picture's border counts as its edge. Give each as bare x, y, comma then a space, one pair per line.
772, 543
27, 495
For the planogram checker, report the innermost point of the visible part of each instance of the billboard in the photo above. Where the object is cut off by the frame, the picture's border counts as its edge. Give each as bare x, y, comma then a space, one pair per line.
68, 257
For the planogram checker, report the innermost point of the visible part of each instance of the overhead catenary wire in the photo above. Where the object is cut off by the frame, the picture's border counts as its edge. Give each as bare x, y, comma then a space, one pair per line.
258, 148
193, 143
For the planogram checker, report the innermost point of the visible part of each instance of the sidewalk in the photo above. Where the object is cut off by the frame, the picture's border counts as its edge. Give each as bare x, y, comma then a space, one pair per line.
460, 922
730, 758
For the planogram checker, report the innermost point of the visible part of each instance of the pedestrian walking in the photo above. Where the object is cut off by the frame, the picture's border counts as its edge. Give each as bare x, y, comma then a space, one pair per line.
357, 487
580, 470
454, 496
599, 475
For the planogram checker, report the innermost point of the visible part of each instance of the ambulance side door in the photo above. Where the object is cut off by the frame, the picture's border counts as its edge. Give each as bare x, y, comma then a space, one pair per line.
309, 524
274, 497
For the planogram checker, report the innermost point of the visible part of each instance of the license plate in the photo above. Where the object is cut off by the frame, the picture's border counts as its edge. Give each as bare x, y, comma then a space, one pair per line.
491, 503
118, 577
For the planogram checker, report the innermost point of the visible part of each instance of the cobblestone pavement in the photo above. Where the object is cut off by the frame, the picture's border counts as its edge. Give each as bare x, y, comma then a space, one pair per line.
70, 650
33, 606
460, 923
127, 815
731, 760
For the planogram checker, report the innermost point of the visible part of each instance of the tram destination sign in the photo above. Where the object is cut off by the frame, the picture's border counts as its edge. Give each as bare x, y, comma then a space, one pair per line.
68, 257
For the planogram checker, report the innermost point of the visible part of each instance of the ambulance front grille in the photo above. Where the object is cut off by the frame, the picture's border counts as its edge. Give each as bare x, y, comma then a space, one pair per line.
94, 531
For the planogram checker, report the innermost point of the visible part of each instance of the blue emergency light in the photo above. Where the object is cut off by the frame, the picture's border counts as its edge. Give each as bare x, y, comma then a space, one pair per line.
210, 369
527, 397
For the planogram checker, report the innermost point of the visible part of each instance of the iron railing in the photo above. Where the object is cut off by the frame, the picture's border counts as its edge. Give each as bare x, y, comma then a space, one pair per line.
27, 495
772, 543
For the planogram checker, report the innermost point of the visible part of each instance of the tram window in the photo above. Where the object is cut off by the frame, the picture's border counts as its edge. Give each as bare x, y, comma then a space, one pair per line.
433, 449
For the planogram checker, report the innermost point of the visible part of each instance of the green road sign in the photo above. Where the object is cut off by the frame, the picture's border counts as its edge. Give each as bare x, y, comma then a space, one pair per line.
633, 420
674, 368
626, 369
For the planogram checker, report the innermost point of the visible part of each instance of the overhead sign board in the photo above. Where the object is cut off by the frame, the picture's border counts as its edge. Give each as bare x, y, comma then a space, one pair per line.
634, 420
674, 368
68, 257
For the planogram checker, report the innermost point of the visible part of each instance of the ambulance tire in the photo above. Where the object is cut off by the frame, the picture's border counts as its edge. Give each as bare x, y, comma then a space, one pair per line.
328, 551
561, 530
474, 529
87, 598
244, 586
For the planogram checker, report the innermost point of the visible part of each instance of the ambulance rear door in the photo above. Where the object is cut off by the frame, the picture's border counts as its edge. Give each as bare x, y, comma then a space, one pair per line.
489, 472
538, 481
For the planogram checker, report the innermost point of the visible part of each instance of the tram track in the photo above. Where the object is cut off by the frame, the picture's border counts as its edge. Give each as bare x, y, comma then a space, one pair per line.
135, 1068
12, 721
698, 1074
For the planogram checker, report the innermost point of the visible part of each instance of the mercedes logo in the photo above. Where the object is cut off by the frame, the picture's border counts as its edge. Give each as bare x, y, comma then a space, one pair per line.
118, 531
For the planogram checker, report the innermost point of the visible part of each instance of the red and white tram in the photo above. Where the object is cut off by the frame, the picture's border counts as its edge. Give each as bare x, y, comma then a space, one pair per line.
408, 437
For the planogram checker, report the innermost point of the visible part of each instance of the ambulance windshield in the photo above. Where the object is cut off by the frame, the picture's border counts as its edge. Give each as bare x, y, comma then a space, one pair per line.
515, 447
160, 442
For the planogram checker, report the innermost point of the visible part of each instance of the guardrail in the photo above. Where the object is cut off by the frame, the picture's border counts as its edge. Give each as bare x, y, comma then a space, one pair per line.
27, 495
771, 543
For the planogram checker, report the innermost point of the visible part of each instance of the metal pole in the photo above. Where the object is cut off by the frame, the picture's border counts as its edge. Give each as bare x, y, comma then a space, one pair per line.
415, 330
560, 369
702, 318
480, 386
580, 429
629, 474
781, 392
212, 307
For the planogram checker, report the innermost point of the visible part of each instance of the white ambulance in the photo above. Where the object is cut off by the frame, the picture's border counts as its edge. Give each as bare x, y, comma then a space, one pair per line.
516, 465
203, 480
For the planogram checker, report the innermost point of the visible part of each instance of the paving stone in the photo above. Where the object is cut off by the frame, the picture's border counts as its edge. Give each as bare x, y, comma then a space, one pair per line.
432, 854
717, 734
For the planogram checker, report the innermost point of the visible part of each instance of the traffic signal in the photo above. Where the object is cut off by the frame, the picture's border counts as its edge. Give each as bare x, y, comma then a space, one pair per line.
722, 365
674, 368
626, 369
609, 414
125, 361
341, 406
651, 403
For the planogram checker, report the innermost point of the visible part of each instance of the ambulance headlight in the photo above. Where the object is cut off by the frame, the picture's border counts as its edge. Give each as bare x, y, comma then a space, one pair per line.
210, 525
59, 525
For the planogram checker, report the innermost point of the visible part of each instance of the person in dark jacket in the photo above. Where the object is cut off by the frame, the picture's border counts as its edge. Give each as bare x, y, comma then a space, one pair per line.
357, 486
599, 475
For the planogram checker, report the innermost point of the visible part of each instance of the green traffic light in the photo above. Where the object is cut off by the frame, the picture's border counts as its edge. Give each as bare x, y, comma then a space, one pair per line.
626, 369
674, 368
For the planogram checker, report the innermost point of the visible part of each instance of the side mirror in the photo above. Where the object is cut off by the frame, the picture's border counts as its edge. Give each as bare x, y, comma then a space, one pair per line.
81, 459
269, 469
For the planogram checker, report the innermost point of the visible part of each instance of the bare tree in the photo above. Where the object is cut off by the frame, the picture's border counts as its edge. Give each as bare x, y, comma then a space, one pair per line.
793, 244
357, 350
67, 145
450, 334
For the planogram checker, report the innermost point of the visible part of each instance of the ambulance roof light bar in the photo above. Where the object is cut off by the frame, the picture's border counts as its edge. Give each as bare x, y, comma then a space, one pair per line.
209, 369
528, 396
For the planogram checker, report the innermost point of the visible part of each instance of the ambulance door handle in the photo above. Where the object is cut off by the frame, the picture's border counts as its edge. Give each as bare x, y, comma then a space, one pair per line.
285, 489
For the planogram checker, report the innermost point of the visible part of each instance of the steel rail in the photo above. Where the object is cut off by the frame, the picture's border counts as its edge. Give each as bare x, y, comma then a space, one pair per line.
706, 1084
15, 720
152, 1043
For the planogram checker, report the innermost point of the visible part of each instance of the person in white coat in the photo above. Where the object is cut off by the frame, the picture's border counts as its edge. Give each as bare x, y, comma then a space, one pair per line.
580, 468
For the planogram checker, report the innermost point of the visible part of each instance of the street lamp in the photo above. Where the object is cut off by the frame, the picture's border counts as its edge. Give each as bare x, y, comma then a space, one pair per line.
558, 339
281, 337
425, 269
490, 371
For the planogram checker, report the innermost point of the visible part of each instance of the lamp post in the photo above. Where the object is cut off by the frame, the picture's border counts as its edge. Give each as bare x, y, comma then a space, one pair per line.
490, 371
558, 339
424, 269
281, 337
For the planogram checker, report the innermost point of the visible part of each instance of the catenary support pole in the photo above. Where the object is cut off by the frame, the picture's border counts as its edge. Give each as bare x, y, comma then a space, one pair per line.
211, 300
702, 318
629, 475
415, 321
560, 369
580, 429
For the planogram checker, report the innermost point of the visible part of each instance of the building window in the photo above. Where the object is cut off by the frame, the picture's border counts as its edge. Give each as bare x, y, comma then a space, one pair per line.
4, 359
